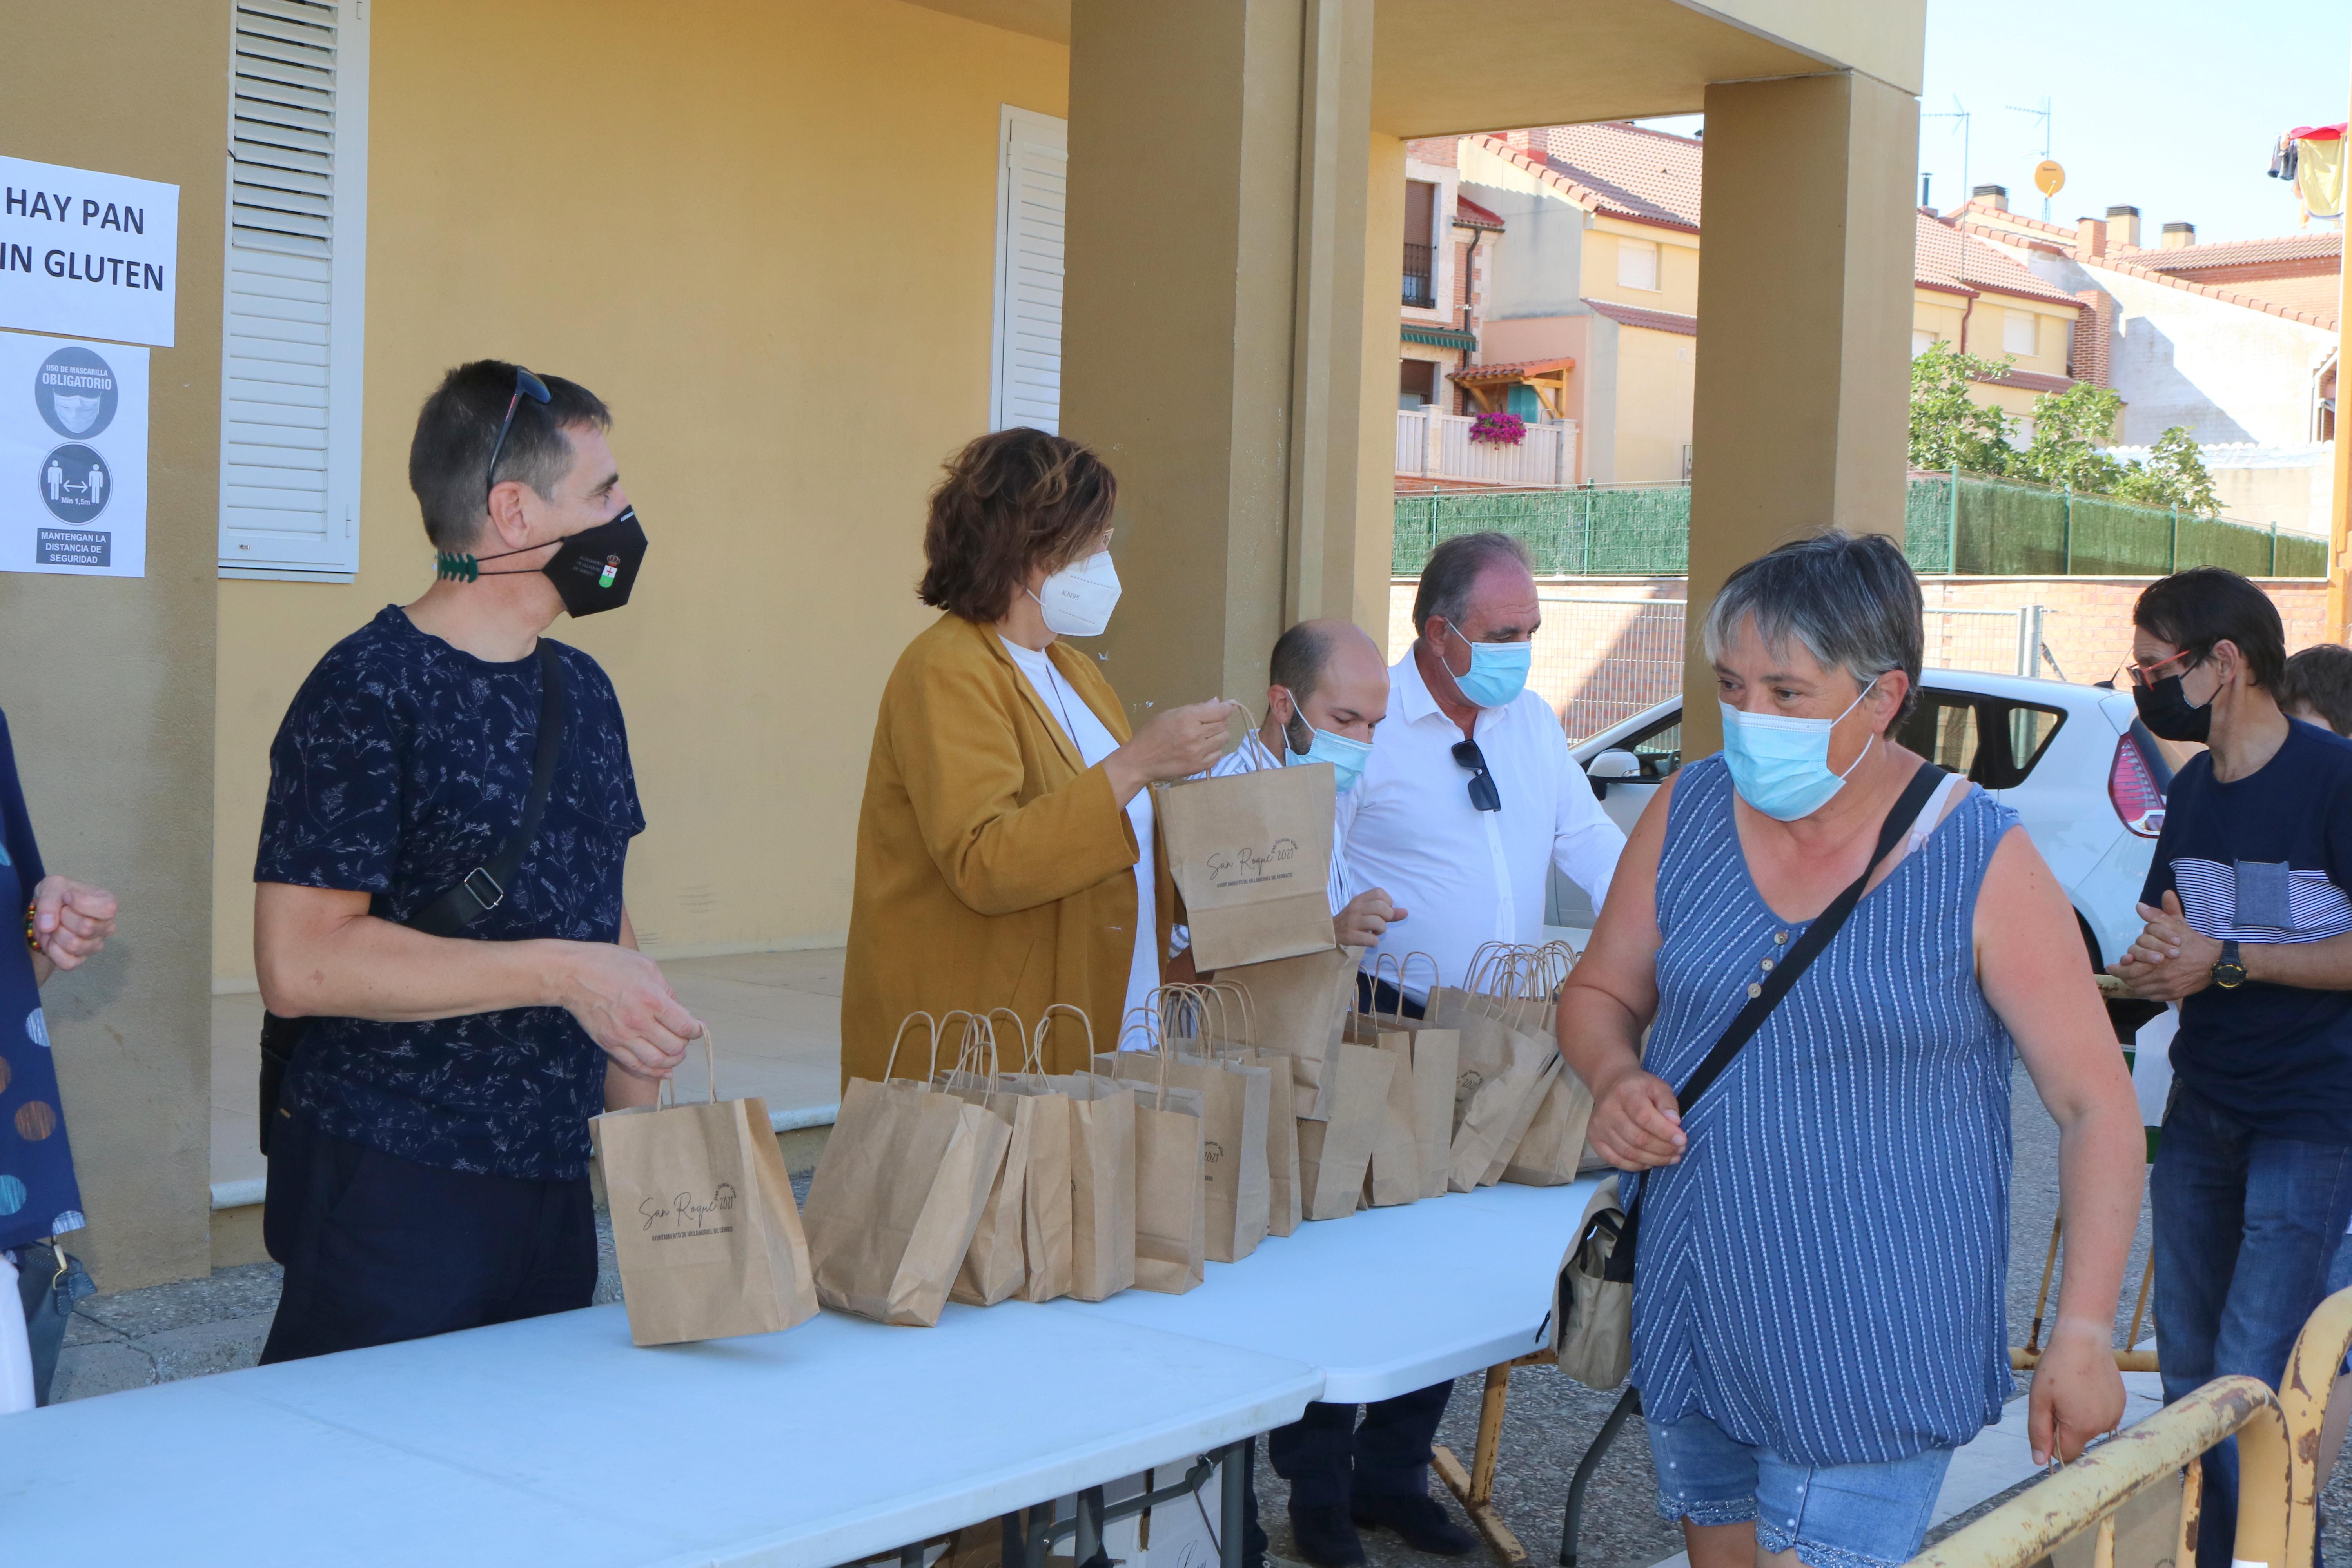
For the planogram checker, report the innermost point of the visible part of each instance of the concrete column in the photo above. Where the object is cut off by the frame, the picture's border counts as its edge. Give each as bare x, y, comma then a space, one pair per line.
1801, 410
1376, 450
1212, 339
110, 698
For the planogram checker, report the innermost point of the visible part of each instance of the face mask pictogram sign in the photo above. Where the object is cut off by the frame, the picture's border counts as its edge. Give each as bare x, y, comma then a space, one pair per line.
73, 457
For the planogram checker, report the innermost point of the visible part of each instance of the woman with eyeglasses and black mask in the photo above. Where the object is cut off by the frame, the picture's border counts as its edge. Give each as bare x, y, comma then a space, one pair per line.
1005, 852
2249, 911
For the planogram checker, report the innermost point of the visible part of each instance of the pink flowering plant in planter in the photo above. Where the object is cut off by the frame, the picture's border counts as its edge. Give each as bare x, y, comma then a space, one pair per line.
1499, 429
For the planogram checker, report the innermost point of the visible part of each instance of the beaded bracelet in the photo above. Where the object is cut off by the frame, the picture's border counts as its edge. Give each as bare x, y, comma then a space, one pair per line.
32, 942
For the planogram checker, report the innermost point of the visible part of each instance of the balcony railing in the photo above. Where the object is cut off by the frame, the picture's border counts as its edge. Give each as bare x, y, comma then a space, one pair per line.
1437, 446
1419, 289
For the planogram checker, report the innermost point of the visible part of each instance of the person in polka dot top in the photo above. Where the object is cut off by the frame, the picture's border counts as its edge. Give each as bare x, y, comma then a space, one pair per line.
65, 922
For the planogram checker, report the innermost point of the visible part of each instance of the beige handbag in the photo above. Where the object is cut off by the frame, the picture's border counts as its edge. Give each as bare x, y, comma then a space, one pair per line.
1592, 1319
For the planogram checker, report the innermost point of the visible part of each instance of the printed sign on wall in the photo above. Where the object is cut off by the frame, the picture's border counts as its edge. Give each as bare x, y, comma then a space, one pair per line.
92, 254
73, 457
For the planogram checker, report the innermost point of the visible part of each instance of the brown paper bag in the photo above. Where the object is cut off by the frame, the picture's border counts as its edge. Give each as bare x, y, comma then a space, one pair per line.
1171, 1208
1235, 1102
1045, 1233
1436, 1054
1285, 1195
1552, 1153
1102, 1174
898, 1195
996, 1265
1393, 1175
1335, 1151
1298, 1006
1516, 1130
1499, 1068
1251, 854
707, 1240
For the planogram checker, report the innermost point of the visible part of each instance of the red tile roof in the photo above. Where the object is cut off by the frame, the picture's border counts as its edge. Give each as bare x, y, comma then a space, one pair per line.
1516, 371
1470, 215
1644, 176
1654, 320
2114, 263
1952, 261
1636, 171
2317, 247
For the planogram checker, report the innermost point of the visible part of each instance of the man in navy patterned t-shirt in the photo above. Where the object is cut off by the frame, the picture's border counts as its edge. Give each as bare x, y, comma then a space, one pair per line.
429, 1155
2249, 910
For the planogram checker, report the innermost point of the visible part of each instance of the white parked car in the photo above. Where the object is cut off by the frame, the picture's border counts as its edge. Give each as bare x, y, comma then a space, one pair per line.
2087, 779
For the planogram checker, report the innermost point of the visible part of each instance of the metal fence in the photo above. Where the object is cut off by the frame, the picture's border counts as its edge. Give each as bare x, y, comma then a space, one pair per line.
1599, 660
1952, 523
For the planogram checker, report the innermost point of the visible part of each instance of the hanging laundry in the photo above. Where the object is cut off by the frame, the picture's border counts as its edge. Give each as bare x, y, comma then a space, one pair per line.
2283, 160
2319, 169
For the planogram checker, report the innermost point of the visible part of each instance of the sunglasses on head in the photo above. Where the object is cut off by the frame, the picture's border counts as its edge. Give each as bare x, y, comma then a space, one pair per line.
526, 386
1484, 794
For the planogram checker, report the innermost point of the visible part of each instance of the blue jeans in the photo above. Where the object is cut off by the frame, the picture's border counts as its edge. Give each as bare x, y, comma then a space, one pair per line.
2246, 1227
1831, 1516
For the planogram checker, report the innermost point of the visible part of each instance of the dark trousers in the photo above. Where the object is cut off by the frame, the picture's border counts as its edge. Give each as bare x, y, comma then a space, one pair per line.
1328, 1459
378, 1250
1380, 997
2245, 1228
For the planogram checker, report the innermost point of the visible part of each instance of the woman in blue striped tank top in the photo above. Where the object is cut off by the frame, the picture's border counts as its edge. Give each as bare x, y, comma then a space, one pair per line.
1818, 1309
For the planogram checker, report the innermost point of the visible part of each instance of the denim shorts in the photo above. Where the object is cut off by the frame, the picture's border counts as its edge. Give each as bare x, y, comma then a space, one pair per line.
1834, 1516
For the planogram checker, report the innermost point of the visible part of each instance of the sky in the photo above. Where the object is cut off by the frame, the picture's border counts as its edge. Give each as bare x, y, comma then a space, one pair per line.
2170, 106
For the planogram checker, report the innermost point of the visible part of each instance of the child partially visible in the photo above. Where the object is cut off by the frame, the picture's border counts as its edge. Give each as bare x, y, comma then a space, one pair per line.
2317, 687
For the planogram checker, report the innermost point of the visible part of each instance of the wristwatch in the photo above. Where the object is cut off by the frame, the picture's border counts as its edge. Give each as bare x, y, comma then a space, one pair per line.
2228, 973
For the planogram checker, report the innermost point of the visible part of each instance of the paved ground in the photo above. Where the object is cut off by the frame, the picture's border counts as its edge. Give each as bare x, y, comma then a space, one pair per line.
137, 1336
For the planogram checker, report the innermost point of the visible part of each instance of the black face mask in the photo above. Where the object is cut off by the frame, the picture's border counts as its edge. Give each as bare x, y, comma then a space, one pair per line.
2169, 714
593, 569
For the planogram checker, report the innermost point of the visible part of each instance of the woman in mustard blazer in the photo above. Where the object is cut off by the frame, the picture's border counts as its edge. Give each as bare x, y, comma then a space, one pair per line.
1005, 853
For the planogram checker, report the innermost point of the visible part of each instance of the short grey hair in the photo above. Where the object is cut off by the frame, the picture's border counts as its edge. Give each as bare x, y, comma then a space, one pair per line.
1849, 599
1453, 570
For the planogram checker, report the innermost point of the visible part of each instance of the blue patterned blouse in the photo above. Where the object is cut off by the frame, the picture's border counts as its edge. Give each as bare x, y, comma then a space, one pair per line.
1824, 1273
38, 1194
402, 765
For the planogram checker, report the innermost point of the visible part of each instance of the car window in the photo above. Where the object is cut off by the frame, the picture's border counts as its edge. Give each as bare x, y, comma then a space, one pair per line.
1943, 728
1659, 748
2026, 731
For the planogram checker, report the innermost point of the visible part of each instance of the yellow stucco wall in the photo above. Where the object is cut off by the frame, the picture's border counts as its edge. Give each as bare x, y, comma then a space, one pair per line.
1655, 374
1677, 288
764, 232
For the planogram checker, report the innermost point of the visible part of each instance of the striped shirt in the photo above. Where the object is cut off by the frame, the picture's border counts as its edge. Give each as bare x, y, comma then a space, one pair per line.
1824, 1273
2263, 860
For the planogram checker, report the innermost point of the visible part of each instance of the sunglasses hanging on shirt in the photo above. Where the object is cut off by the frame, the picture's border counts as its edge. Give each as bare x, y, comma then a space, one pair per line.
1484, 794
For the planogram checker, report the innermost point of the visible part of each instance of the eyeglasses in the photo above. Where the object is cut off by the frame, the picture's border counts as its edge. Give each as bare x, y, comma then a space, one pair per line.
526, 386
1484, 794
2144, 675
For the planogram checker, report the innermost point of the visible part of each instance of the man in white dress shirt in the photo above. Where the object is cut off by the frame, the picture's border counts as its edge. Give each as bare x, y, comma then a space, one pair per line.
1468, 800
1471, 797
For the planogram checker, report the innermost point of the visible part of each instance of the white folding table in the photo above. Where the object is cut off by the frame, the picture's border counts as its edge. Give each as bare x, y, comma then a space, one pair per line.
555, 1440
1389, 1299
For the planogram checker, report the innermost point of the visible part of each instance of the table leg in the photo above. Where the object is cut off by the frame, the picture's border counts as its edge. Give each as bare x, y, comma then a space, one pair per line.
1016, 1542
1087, 1545
911, 1556
1631, 1404
1232, 1501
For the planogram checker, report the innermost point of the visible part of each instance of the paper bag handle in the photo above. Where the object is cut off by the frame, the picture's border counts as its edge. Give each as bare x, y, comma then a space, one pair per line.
1019, 1032
1046, 1023
890, 1065
710, 1066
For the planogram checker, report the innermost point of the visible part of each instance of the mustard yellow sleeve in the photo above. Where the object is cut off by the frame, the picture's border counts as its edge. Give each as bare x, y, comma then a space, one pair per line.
961, 761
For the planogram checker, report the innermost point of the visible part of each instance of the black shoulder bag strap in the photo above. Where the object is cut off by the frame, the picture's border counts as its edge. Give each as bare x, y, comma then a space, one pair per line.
1801, 953
476, 894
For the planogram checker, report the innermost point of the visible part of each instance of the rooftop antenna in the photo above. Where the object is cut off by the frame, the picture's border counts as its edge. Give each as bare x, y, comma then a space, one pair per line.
1959, 112
2042, 114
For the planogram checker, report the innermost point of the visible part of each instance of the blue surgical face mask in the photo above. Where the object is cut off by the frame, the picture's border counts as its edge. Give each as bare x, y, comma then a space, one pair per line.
1498, 670
1345, 756
1781, 765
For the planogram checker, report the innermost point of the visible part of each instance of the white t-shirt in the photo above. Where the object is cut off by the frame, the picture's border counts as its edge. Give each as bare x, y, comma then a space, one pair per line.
1095, 742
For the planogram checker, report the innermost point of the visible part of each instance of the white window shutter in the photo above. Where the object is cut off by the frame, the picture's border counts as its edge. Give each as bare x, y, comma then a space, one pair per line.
294, 286
1031, 186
